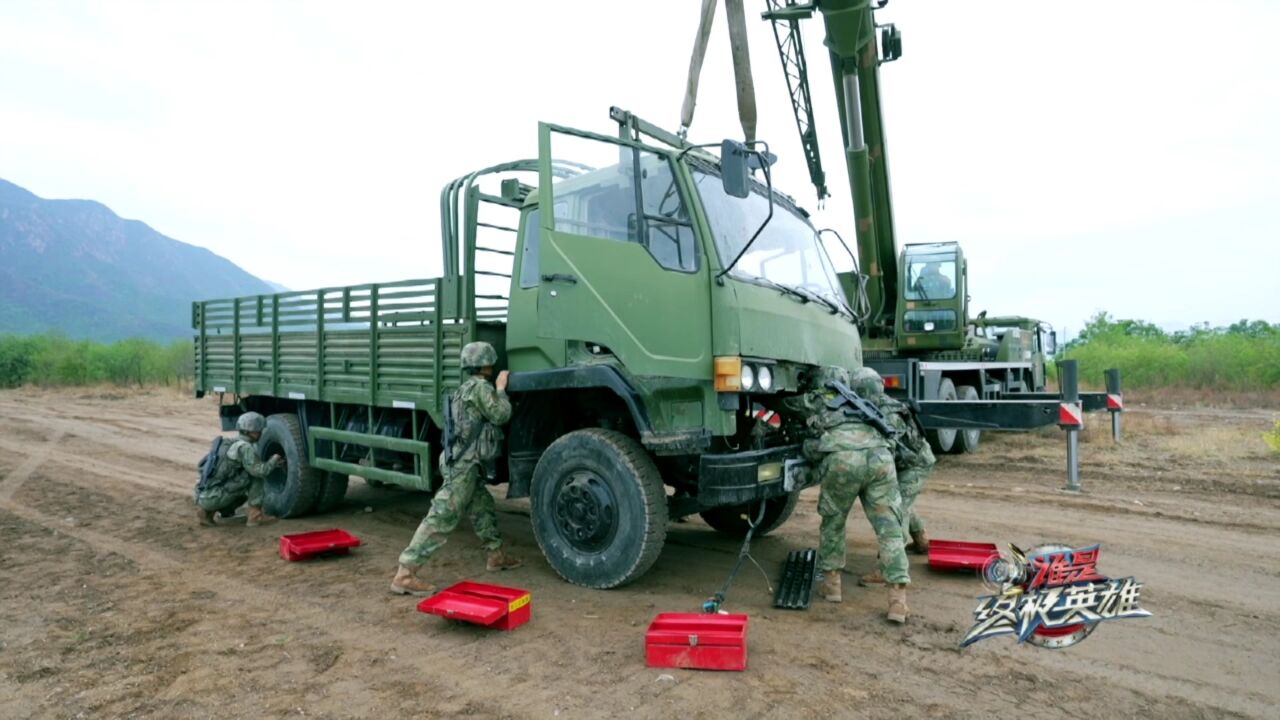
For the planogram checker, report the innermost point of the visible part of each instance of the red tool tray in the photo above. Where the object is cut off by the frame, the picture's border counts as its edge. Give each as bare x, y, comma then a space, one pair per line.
699, 641
493, 606
301, 546
957, 555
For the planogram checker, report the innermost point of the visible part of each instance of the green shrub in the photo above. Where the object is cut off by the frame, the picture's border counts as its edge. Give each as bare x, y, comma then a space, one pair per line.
1244, 356
52, 360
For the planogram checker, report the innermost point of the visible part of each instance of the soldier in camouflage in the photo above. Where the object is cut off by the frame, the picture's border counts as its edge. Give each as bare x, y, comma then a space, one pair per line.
477, 410
913, 469
854, 462
238, 477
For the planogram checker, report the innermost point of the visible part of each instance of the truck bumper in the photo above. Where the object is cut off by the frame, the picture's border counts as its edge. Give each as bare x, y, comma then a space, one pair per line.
743, 477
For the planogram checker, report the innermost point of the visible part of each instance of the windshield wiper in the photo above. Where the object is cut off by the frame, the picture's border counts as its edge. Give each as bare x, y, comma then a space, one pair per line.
784, 289
835, 309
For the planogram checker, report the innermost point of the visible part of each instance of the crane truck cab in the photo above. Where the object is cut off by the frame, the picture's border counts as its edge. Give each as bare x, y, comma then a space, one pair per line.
652, 303
933, 309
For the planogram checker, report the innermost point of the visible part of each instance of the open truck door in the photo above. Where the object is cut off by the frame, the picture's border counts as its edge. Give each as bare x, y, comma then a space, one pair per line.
620, 266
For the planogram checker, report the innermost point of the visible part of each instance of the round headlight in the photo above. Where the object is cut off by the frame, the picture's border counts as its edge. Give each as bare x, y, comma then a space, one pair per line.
748, 377
928, 327
765, 377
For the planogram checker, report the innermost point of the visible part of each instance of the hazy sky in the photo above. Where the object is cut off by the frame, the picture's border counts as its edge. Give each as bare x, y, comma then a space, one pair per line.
1120, 156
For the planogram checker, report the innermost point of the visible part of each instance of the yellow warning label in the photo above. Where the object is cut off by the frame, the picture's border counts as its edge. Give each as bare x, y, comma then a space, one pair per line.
519, 602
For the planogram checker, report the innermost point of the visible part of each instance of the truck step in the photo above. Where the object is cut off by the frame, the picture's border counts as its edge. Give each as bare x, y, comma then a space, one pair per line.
798, 573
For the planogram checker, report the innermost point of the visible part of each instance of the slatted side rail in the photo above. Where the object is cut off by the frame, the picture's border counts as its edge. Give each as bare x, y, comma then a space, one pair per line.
380, 344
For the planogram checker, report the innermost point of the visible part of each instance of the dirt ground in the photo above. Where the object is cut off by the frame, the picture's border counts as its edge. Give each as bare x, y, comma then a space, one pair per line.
114, 604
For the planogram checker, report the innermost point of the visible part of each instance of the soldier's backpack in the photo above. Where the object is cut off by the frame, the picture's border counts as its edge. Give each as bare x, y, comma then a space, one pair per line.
212, 462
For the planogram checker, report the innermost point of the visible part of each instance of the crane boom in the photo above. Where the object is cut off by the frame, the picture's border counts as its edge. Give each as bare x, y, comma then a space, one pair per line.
855, 55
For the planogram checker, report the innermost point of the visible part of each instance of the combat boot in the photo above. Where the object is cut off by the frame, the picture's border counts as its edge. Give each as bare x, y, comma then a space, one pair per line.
873, 578
830, 589
919, 543
255, 517
499, 560
406, 582
898, 609
205, 517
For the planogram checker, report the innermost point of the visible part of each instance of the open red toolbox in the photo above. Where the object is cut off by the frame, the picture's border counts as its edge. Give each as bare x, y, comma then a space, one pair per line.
958, 555
301, 546
700, 641
493, 606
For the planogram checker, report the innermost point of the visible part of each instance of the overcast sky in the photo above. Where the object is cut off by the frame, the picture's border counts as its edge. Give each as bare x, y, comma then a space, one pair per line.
1120, 156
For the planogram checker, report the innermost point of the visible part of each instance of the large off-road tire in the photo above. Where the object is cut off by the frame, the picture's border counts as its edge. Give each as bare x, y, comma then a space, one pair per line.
333, 488
290, 491
599, 509
729, 520
967, 440
942, 440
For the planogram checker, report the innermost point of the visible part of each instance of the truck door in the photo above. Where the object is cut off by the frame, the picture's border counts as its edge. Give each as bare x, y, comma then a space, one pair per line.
620, 265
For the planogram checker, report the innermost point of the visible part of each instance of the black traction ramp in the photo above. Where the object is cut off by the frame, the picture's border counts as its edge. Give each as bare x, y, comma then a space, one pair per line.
798, 574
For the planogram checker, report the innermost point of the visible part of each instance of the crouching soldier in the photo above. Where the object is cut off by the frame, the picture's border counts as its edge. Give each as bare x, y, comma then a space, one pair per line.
237, 477
854, 462
474, 414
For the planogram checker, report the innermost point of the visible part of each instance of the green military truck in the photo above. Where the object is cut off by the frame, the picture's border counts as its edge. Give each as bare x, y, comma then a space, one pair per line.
652, 303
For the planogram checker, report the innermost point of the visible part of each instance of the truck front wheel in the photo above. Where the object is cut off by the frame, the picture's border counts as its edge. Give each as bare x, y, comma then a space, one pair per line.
290, 490
967, 440
599, 509
730, 521
943, 439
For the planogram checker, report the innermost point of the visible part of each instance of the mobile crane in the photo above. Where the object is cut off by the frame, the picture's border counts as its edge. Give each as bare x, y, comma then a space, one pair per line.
916, 331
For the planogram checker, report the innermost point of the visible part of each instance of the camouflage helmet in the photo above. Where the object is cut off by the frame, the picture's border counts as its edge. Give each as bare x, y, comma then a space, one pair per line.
251, 422
478, 355
829, 374
867, 383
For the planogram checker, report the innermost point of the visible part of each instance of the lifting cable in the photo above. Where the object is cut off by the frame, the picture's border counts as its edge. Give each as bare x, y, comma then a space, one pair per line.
746, 90
712, 605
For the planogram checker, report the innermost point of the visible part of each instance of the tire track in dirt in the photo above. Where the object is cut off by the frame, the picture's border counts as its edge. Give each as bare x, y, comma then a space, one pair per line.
50, 454
35, 458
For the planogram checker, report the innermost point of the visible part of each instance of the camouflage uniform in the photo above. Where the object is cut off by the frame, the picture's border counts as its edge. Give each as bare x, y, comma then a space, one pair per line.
478, 411
853, 462
912, 471
238, 479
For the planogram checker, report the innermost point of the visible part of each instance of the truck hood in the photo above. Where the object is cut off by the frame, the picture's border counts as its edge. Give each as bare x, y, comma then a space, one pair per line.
780, 327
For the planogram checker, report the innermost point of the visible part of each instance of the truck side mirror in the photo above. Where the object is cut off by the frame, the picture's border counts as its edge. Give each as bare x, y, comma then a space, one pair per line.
1052, 346
735, 171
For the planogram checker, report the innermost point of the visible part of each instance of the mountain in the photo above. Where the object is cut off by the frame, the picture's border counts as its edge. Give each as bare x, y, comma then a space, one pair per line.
75, 267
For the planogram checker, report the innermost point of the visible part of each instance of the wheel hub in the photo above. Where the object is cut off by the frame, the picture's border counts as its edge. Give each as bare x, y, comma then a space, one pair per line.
585, 511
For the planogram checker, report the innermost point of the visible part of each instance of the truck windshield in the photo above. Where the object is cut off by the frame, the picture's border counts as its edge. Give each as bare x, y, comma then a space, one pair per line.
931, 274
788, 251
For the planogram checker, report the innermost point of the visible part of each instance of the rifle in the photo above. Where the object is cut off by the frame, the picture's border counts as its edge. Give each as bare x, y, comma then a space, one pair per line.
854, 406
448, 427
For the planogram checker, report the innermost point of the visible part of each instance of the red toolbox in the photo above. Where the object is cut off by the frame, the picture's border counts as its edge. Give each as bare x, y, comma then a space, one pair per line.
700, 641
301, 546
957, 555
493, 606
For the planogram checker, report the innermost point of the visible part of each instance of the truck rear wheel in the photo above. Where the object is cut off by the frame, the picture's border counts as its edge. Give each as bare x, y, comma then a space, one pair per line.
599, 509
729, 520
333, 488
291, 490
967, 440
942, 440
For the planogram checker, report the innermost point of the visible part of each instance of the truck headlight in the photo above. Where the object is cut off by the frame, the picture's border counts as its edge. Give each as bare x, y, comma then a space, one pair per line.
764, 376
748, 377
